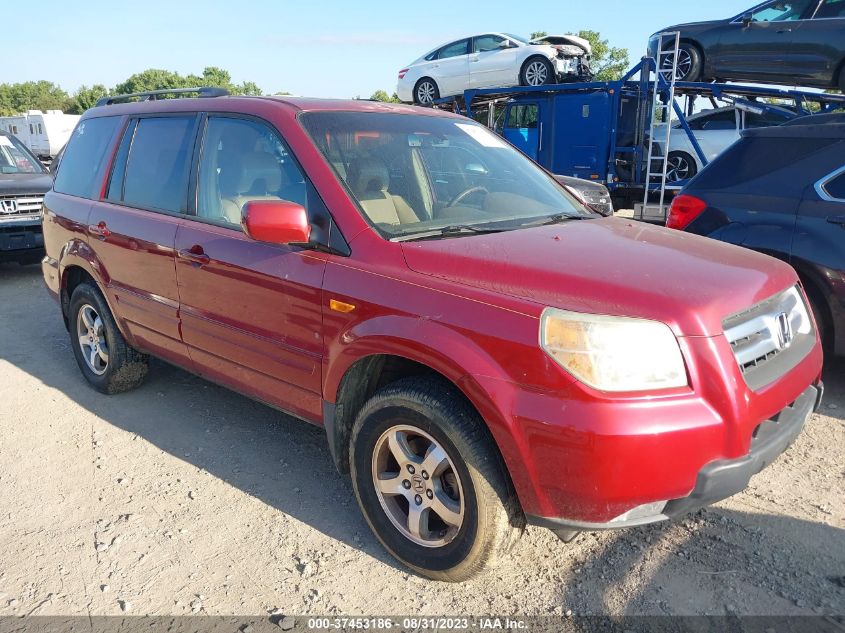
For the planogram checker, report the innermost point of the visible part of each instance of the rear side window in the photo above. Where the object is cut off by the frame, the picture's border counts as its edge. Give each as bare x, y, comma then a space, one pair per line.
84, 156
836, 187
755, 157
157, 168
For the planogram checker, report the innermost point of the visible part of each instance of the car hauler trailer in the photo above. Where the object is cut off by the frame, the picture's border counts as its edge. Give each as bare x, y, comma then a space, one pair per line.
606, 131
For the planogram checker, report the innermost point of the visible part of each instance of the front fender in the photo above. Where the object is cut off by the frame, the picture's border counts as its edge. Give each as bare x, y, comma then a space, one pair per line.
473, 371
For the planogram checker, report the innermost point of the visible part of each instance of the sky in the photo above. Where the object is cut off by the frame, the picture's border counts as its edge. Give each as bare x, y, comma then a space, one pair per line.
320, 49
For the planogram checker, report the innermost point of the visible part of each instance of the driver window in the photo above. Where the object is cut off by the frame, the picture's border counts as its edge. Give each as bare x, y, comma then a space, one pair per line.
831, 9
487, 43
522, 117
782, 11
243, 161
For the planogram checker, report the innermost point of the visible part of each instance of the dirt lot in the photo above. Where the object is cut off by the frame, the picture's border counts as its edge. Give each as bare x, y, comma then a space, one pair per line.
183, 497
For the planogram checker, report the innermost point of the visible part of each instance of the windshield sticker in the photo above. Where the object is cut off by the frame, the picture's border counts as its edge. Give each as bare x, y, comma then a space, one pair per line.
481, 135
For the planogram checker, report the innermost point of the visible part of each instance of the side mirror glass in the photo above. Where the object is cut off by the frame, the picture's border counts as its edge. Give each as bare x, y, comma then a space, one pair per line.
276, 222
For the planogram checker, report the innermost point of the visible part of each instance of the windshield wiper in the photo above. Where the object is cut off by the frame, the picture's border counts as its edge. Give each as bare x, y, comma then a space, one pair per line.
559, 218
447, 231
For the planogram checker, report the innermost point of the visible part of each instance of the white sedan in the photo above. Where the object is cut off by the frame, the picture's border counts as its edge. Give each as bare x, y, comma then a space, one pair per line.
494, 60
715, 130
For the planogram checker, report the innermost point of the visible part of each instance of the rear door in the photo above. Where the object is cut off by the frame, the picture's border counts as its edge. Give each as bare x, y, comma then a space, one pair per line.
820, 231
133, 229
251, 312
451, 68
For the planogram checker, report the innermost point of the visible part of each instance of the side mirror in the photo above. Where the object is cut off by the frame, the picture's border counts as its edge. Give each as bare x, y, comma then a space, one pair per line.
505, 44
276, 222
747, 20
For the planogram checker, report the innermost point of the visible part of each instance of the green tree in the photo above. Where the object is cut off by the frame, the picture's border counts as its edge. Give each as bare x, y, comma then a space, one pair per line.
537, 34
32, 95
381, 95
86, 97
609, 63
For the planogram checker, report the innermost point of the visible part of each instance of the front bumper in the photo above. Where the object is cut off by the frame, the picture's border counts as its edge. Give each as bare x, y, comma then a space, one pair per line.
20, 235
723, 478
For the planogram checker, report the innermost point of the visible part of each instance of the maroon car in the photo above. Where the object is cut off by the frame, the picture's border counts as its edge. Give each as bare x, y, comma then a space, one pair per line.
483, 351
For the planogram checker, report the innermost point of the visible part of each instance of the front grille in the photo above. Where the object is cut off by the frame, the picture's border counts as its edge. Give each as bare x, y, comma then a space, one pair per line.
770, 338
22, 205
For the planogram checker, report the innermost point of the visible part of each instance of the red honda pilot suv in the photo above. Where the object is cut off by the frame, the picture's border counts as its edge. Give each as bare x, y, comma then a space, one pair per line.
483, 351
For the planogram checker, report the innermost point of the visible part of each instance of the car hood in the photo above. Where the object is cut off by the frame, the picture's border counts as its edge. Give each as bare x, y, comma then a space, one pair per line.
565, 40
611, 266
13, 184
691, 27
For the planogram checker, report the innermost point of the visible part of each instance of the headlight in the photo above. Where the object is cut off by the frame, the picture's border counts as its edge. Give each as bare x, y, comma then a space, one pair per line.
613, 353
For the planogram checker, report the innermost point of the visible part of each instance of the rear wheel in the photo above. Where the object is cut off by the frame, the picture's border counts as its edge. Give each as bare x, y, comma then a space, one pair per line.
108, 363
430, 482
680, 166
426, 91
537, 71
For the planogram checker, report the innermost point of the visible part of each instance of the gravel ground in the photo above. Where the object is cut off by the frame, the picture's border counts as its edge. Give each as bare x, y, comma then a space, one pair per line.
183, 497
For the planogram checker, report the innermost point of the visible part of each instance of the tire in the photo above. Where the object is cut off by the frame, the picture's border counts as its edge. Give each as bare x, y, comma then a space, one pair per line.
537, 71
681, 166
690, 63
842, 78
483, 518
820, 315
426, 91
110, 370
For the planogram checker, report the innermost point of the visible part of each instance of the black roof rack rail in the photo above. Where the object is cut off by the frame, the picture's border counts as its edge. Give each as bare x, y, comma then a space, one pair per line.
152, 95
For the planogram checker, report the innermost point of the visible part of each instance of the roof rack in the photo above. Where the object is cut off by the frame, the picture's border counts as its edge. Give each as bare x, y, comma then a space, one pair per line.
153, 95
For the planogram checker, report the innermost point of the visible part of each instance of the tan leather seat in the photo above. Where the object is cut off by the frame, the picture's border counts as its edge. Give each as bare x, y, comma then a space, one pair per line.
369, 178
258, 176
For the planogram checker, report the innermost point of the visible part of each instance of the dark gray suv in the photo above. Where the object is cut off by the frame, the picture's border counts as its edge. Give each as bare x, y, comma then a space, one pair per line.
792, 42
23, 183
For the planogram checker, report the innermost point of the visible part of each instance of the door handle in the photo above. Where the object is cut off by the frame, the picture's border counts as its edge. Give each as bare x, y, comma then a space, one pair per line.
782, 31
100, 230
195, 255
837, 219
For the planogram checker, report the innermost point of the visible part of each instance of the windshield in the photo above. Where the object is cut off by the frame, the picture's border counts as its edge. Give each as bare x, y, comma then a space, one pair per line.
16, 159
417, 174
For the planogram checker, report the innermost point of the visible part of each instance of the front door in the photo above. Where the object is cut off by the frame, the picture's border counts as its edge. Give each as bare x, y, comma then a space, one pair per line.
133, 230
818, 45
492, 62
522, 127
251, 312
760, 50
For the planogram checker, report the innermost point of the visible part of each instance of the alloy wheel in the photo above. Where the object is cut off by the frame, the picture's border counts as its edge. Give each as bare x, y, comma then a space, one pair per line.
92, 339
683, 68
425, 92
536, 73
679, 168
418, 486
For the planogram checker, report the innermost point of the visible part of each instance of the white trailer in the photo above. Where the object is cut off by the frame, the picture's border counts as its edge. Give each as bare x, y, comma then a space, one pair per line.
44, 133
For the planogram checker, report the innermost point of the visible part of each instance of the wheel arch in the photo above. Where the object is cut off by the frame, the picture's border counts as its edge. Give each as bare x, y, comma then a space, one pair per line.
821, 294
706, 71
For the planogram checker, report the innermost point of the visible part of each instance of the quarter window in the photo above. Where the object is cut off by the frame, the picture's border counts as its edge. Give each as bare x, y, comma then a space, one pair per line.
831, 9
244, 161
836, 187
84, 156
157, 168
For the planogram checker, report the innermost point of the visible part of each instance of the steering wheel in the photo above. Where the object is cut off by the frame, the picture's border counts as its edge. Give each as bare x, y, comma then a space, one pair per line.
466, 193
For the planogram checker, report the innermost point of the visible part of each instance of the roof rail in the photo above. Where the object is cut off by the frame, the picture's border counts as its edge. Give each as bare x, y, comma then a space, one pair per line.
153, 95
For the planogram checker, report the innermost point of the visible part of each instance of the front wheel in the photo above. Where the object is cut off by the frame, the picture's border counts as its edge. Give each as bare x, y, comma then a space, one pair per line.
106, 360
689, 66
430, 482
537, 71
681, 166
